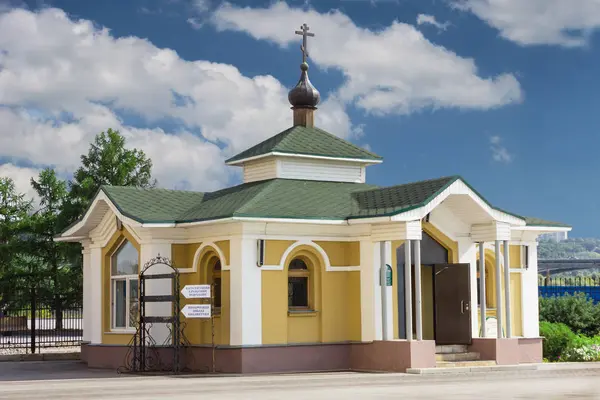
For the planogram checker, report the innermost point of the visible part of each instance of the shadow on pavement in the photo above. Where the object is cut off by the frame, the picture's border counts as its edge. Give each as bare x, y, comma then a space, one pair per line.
51, 370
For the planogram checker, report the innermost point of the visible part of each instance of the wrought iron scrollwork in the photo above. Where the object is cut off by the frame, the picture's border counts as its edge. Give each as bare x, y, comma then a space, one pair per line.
144, 354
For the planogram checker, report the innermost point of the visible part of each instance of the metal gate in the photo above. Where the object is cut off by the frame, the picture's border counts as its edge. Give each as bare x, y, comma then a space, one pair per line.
36, 313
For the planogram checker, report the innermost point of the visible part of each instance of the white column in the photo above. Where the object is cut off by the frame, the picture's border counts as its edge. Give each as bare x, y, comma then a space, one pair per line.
95, 297
245, 293
387, 308
507, 288
159, 332
498, 290
530, 296
370, 302
482, 297
87, 294
467, 254
408, 289
418, 306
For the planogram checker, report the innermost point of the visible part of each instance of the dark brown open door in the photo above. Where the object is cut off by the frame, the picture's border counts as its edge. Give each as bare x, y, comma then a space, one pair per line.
452, 304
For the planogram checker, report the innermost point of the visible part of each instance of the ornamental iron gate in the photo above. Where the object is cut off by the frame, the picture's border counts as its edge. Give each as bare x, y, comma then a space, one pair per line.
144, 353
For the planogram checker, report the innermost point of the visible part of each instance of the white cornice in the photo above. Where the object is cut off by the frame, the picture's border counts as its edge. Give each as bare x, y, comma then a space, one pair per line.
308, 156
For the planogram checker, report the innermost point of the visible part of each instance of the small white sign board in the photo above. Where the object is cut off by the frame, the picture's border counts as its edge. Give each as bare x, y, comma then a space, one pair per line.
196, 311
491, 327
196, 291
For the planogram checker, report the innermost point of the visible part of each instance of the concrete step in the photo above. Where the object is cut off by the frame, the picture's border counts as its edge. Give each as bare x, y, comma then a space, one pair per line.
471, 369
465, 364
452, 348
469, 356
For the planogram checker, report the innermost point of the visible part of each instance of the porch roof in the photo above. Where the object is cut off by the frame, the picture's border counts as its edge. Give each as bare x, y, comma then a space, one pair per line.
282, 199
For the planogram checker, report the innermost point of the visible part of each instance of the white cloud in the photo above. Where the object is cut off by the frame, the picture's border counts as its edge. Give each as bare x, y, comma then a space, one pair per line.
423, 19
51, 65
499, 152
22, 178
566, 23
395, 70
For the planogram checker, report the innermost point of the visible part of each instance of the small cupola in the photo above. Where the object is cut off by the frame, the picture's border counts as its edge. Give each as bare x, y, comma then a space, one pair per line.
304, 97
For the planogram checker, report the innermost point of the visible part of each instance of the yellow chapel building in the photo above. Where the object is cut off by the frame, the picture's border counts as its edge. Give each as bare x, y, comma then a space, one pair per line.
308, 263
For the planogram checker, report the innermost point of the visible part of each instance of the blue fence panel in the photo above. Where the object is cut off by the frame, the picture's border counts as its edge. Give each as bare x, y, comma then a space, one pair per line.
550, 291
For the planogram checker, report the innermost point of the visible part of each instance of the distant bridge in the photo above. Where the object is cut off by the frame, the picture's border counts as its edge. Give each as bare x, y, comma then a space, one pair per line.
556, 266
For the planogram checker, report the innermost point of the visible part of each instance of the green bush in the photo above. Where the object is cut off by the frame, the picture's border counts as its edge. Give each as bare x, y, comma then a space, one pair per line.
557, 338
582, 348
576, 311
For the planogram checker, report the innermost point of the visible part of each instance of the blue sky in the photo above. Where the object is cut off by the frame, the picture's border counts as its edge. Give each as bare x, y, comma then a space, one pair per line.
502, 93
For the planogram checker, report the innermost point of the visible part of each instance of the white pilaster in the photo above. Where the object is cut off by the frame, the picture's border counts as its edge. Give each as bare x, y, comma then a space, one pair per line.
87, 294
507, 288
498, 289
387, 312
95, 295
418, 297
245, 294
467, 254
408, 290
530, 296
160, 333
370, 303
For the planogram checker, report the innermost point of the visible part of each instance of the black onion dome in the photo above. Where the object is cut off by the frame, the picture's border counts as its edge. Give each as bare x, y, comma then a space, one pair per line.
304, 94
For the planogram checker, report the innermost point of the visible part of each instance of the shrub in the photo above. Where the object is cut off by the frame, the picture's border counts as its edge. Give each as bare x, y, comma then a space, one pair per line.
583, 348
576, 311
557, 338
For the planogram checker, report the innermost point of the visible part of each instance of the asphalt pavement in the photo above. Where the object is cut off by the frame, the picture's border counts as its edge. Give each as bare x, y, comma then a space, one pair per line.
72, 380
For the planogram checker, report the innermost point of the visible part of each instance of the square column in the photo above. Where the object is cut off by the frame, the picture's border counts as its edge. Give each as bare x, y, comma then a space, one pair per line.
370, 299
498, 290
418, 297
94, 311
160, 333
87, 294
245, 293
408, 290
529, 293
507, 289
482, 296
387, 311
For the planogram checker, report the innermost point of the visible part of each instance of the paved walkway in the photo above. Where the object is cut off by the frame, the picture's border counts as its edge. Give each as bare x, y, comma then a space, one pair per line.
71, 380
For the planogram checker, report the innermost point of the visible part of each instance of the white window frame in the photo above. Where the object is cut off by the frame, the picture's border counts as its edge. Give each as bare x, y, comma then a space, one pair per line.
113, 289
113, 307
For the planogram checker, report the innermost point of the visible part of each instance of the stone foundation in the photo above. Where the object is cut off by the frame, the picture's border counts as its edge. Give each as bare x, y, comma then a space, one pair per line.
509, 351
382, 356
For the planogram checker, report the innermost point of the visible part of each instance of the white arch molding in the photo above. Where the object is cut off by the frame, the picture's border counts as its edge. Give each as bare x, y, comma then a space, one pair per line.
319, 249
196, 259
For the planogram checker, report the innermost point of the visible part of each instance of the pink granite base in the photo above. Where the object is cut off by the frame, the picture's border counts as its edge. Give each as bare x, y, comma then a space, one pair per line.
509, 351
393, 355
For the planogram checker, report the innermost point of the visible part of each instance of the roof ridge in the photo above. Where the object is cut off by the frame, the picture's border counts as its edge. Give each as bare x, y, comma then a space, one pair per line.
268, 183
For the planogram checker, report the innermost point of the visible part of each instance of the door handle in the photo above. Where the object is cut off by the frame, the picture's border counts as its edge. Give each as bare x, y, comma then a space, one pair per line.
464, 306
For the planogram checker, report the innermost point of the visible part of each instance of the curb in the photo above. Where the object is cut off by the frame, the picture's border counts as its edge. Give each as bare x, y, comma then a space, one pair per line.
506, 368
72, 356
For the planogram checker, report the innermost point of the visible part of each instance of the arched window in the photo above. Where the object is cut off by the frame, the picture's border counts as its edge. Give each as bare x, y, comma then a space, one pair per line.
216, 280
124, 286
298, 285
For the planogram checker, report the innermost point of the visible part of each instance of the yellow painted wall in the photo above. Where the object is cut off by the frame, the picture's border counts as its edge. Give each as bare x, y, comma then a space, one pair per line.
515, 304
113, 245
335, 299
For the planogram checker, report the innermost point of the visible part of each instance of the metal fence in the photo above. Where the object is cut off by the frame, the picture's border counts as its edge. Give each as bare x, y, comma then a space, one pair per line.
35, 314
549, 287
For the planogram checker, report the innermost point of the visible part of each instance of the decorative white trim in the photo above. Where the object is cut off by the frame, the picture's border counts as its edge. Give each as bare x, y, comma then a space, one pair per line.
196, 259
303, 242
314, 157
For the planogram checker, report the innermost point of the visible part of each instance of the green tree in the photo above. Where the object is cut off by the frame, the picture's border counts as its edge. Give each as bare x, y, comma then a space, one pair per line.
108, 162
51, 255
14, 227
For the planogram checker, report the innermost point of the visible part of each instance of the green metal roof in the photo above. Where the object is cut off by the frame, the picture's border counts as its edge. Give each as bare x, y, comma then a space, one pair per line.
307, 141
281, 198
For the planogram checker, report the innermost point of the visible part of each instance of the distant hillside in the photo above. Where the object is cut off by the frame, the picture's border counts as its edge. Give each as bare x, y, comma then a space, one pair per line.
582, 248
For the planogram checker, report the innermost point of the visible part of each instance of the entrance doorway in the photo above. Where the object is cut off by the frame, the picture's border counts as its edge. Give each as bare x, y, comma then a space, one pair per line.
452, 299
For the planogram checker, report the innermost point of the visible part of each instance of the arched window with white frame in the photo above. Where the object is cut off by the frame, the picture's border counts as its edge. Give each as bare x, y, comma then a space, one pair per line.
124, 267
